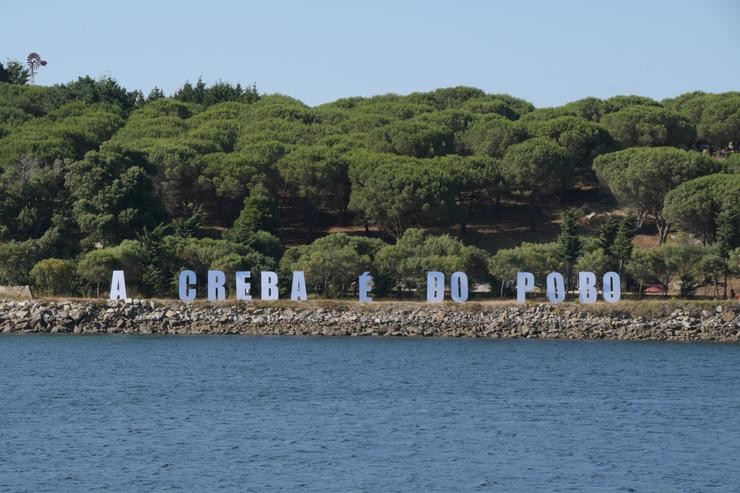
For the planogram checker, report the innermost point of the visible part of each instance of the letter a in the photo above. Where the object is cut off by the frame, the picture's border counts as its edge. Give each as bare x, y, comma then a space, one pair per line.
118, 286
298, 290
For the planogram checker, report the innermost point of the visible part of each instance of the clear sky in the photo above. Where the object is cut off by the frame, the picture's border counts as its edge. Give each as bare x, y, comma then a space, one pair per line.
547, 52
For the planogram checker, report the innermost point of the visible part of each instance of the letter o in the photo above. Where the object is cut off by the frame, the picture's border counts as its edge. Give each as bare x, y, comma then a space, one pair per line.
459, 287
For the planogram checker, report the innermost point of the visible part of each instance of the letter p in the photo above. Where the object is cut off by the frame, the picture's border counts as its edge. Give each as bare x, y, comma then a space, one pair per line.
524, 284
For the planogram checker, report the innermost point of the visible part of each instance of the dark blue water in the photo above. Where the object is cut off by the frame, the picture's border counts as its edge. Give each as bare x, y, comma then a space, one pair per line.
362, 414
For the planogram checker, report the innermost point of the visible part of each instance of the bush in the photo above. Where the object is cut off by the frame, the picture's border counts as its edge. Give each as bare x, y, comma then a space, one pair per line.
54, 276
404, 266
333, 263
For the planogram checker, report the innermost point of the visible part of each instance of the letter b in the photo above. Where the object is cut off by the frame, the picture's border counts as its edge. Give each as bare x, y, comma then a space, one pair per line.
587, 288
435, 287
268, 285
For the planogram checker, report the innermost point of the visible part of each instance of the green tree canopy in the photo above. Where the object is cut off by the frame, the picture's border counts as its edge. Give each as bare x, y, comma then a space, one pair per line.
640, 125
694, 205
539, 170
642, 177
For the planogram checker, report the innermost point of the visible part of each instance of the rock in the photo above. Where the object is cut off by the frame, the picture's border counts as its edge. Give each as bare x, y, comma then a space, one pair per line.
691, 322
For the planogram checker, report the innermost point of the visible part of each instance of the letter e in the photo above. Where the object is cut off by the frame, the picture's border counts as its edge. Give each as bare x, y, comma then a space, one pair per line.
242, 286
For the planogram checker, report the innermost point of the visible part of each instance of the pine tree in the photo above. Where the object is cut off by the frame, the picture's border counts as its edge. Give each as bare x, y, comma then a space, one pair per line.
259, 214
621, 248
608, 232
570, 241
727, 239
155, 274
189, 227
155, 94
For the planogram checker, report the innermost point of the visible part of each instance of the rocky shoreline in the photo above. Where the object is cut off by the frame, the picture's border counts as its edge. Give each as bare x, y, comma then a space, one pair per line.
717, 322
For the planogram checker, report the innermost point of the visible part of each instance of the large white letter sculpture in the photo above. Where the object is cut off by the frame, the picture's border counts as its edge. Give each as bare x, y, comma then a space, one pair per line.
435, 287
612, 287
555, 287
268, 285
364, 286
524, 284
459, 287
243, 286
587, 292
118, 286
298, 290
216, 285
186, 280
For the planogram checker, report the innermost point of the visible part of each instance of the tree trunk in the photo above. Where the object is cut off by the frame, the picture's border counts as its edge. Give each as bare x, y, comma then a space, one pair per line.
663, 227
640, 219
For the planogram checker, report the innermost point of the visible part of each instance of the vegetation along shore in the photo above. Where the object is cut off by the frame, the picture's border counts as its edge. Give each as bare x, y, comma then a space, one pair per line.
95, 177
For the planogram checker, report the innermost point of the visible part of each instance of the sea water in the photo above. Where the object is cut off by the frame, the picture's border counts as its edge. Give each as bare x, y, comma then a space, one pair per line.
237, 413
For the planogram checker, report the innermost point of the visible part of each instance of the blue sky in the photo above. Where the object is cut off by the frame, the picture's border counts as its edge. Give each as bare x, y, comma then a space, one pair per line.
546, 52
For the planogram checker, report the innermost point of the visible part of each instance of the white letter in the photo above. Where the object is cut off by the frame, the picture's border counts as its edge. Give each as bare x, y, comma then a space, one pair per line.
118, 286
242, 286
459, 287
216, 289
268, 285
365, 286
555, 287
187, 279
435, 287
298, 290
612, 287
587, 288
524, 284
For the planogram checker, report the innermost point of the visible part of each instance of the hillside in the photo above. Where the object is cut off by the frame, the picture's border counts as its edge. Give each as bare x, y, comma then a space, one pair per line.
95, 177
